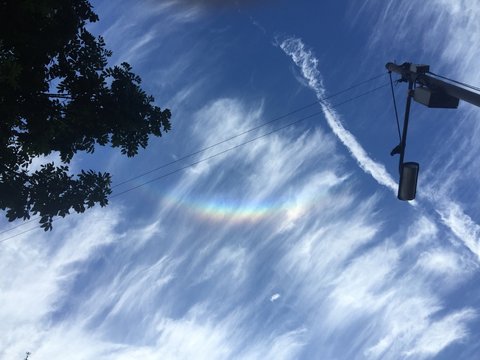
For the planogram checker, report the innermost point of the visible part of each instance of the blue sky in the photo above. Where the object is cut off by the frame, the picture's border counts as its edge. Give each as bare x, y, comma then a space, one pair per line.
292, 246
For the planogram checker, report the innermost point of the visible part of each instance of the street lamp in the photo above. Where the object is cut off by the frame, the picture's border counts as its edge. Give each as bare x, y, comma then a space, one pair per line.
432, 92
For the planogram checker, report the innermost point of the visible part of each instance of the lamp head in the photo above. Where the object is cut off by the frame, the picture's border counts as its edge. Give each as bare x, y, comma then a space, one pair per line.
407, 187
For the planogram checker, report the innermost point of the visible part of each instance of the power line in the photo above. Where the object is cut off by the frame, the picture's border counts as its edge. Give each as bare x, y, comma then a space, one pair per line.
25, 222
353, 86
217, 154
18, 234
210, 157
246, 131
246, 142
207, 158
222, 141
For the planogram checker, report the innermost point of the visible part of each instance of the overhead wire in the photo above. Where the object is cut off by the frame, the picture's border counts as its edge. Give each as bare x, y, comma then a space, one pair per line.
247, 142
223, 141
221, 152
247, 131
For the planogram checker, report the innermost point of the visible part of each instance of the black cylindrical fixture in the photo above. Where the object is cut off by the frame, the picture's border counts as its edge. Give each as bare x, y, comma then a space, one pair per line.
407, 188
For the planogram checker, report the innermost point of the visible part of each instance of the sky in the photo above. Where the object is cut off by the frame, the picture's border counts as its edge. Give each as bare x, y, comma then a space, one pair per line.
286, 240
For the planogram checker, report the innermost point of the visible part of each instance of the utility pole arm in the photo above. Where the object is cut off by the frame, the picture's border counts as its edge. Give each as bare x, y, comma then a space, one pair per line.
418, 74
431, 92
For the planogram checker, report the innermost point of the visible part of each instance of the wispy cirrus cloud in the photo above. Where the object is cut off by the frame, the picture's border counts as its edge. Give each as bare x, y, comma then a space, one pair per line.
41, 270
451, 214
447, 34
361, 288
301, 265
390, 306
442, 333
201, 286
144, 294
137, 30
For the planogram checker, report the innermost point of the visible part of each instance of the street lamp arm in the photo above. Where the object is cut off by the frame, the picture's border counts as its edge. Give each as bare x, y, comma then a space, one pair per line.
418, 74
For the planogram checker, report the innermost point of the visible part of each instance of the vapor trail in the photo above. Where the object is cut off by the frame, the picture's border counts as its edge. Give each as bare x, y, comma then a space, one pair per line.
308, 65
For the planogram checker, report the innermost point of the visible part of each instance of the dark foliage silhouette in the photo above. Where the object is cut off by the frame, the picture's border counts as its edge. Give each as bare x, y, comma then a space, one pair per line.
57, 94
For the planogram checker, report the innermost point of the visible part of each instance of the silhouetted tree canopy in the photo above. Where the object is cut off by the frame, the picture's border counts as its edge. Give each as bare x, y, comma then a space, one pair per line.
57, 94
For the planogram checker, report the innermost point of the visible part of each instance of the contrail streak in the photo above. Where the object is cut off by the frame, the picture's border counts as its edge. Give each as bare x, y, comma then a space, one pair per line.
308, 65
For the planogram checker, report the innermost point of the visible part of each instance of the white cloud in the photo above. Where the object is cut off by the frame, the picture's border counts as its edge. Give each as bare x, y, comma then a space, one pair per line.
283, 347
229, 263
184, 285
445, 28
410, 324
447, 33
358, 288
442, 262
405, 318
195, 336
142, 291
441, 333
389, 302
275, 297
462, 226
40, 271
451, 213
423, 231
135, 31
